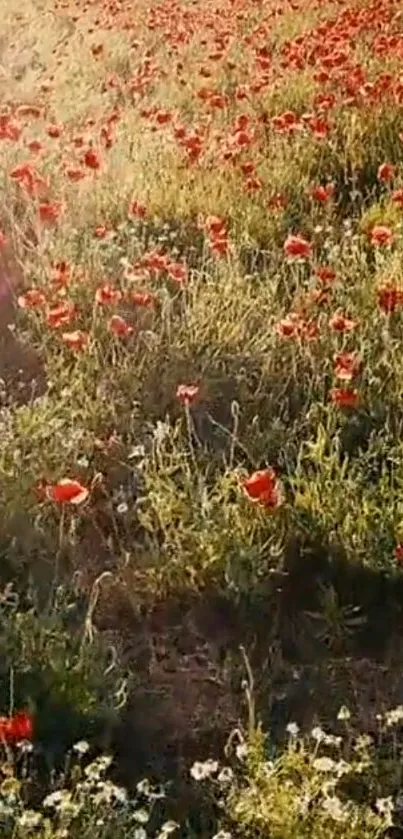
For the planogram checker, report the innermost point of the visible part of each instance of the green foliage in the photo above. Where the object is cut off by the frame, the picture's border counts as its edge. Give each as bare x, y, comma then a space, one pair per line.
335, 622
54, 664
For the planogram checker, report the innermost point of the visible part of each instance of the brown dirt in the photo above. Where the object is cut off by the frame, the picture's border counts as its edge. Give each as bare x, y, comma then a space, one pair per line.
182, 705
188, 696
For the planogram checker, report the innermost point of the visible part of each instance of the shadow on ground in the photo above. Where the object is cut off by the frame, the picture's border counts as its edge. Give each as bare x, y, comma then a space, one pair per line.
309, 655
22, 373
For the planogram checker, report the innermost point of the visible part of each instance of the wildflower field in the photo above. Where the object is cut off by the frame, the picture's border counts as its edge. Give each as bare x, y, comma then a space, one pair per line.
201, 418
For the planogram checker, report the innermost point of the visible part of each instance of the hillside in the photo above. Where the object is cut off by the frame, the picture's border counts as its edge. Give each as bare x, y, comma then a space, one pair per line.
201, 418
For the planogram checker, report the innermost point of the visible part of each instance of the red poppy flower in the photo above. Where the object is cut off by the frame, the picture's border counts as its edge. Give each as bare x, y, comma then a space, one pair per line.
398, 553
143, 298
53, 130
163, 117
322, 193
187, 394
242, 138
118, 326
263, 487
22, 726
324, 101
341, 323
28, 178
389, 298
218, 101
16, 728
156, 261
344, 398
35, 146
9, 128
397, 197
102, 231
219, 247
6, 730
92, 159
32, 299
215, 226
346, 365
381, 236
386, 172
252, 185
248, 168
286, 122
297, 247
325, 274
76, 340
106, 295
67, 491
278, 201
137, 210
74, 173
178, 272
290, 326
320, 127
193, 146
50, 212
60, 315
180, 132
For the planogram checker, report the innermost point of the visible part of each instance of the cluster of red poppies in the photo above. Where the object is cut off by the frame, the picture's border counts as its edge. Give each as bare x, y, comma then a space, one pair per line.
225, 56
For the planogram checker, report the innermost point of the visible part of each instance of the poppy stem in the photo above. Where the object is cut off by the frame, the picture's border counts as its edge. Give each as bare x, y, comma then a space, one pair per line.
11, 712
249, 688
60, 547
190, 431
235, 442
234, 434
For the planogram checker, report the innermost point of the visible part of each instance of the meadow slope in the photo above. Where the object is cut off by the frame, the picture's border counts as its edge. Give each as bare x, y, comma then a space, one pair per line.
201, 405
